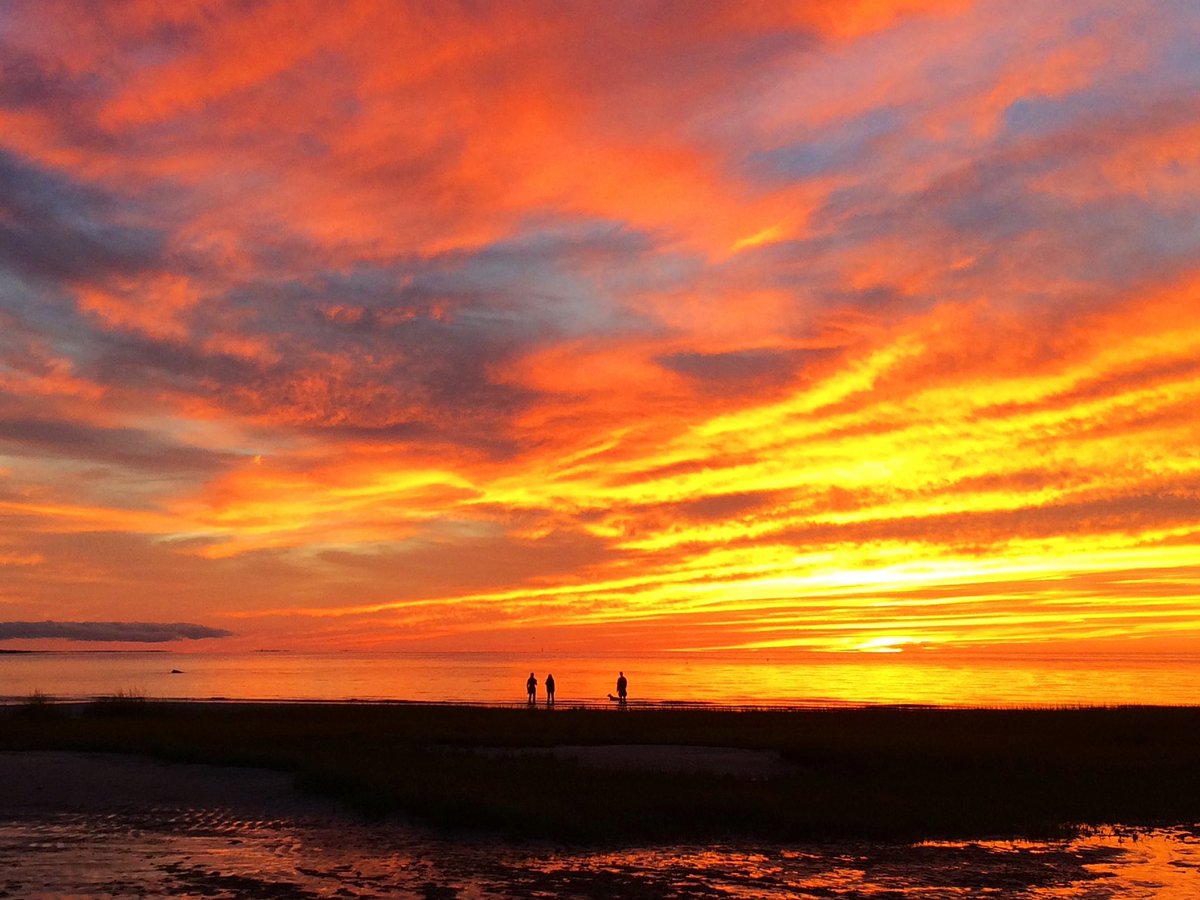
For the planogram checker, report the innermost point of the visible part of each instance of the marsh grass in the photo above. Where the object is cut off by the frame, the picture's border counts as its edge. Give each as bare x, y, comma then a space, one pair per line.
879, 773
122, 703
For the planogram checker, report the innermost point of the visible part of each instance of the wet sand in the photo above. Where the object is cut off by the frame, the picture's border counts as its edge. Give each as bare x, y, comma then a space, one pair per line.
37, 783
89, 824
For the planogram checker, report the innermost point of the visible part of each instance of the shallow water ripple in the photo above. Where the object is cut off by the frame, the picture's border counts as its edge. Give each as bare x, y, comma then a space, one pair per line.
216, 854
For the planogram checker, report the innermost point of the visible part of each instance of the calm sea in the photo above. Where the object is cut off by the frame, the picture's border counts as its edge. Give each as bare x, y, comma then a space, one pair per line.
497, 678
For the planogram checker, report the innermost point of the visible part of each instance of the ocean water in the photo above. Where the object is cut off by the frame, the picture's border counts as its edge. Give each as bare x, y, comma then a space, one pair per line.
719, 679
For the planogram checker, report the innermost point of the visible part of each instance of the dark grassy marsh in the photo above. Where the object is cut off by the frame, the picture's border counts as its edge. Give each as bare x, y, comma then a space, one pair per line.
863, 773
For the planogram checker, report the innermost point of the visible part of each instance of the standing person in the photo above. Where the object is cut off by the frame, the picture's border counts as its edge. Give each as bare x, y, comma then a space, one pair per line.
622, 688
531, 689
550, 689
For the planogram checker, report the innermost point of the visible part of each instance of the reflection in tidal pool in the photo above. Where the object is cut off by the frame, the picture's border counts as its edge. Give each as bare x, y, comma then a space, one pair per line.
211, 853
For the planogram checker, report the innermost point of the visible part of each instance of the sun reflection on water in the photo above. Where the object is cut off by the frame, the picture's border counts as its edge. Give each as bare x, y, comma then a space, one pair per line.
220, 854
717, 678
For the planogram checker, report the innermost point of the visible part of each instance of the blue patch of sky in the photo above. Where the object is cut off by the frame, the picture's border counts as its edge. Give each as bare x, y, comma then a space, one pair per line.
1174, 77
1170, 68
1132, 240
553, 280
49, 313
570, 279
842, 149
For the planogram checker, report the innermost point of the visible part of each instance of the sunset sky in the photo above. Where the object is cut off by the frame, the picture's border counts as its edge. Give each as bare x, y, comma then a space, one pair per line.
831, 325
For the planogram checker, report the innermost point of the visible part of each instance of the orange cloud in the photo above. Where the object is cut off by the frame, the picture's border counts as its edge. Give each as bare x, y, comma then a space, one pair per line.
820, 325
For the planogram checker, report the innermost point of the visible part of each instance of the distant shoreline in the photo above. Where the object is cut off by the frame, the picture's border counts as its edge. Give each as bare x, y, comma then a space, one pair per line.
80, 703
605, 776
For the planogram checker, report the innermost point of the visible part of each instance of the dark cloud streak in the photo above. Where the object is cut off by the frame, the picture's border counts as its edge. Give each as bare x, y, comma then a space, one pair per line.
128, 632
128, 447
54, 227
750, 371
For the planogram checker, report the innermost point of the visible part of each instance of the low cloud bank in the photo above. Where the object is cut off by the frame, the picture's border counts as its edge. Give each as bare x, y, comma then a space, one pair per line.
133, 632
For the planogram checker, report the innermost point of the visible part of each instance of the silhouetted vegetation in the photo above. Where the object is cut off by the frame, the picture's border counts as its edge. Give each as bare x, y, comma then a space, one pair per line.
122, 703
36, 706
884, 773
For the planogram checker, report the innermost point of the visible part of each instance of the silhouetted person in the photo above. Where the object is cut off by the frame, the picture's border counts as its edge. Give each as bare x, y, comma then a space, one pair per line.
531, 689
550, 690
622, 688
